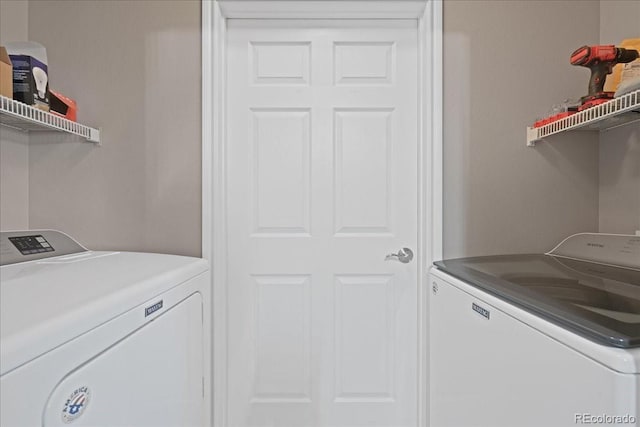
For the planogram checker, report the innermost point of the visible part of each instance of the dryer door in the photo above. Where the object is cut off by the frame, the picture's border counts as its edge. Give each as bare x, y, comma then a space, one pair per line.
145, 379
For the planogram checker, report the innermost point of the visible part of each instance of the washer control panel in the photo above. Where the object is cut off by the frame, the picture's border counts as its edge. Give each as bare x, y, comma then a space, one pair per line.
620, 250
29, 245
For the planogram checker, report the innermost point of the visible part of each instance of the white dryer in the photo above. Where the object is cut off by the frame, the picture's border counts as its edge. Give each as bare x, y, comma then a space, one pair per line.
538, 340
99, 338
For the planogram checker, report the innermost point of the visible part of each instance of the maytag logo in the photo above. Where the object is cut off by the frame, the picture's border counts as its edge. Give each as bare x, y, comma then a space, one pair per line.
595, 245
482, 311
153, 308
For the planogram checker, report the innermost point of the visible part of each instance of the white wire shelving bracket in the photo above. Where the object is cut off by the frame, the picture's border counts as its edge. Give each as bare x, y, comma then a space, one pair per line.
17, 115
611, 114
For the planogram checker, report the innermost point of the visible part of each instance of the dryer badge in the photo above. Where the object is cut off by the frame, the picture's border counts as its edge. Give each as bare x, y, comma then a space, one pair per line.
76, 404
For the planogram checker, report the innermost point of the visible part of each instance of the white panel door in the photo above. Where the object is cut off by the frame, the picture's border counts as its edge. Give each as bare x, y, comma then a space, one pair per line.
321, 186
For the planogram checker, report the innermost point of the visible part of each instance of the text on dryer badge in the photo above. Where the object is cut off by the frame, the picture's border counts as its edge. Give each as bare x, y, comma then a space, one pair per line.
76, 404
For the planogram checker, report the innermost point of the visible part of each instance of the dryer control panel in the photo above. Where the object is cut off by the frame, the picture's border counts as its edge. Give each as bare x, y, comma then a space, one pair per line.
29, 245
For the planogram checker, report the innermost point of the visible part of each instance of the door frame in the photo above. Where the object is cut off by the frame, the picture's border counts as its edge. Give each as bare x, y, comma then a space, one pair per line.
215, 13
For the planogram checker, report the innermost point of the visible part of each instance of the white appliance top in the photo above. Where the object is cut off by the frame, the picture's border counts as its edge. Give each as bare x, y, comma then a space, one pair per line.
47, 302
589, 284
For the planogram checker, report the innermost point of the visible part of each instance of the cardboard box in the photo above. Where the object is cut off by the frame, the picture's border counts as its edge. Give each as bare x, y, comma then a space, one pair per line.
6, 74
30, 73
30, 81
623, 71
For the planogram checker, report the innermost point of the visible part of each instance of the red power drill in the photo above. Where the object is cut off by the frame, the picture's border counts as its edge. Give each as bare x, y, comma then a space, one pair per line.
601, 60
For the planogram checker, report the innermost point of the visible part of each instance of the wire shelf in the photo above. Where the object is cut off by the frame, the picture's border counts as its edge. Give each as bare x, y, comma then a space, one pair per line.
21, 116
617, 112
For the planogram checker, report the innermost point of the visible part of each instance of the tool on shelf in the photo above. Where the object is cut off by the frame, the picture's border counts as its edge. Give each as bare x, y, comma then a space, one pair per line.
600, 59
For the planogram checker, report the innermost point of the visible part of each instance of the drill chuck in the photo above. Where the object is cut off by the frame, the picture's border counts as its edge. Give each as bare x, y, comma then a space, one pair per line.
626, 55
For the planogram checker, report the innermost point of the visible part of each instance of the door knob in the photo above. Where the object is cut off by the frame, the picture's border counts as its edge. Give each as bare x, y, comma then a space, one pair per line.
404, 255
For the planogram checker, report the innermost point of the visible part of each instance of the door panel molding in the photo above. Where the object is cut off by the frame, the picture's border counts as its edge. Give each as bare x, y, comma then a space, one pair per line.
353, 381
214, 26
377, 148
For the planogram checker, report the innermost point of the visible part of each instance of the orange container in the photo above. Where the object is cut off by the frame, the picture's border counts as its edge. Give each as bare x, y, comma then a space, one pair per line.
63, 106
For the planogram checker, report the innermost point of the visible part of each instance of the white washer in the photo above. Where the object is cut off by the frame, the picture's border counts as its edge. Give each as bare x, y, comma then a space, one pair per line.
538, 340
98, 338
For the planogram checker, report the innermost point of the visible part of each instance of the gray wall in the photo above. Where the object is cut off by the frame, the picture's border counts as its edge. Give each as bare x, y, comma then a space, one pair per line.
14, 145
505, 63
134, 69
619, 148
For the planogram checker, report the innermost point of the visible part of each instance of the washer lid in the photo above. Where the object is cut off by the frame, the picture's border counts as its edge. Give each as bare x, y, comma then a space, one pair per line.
45, 303
599, 302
